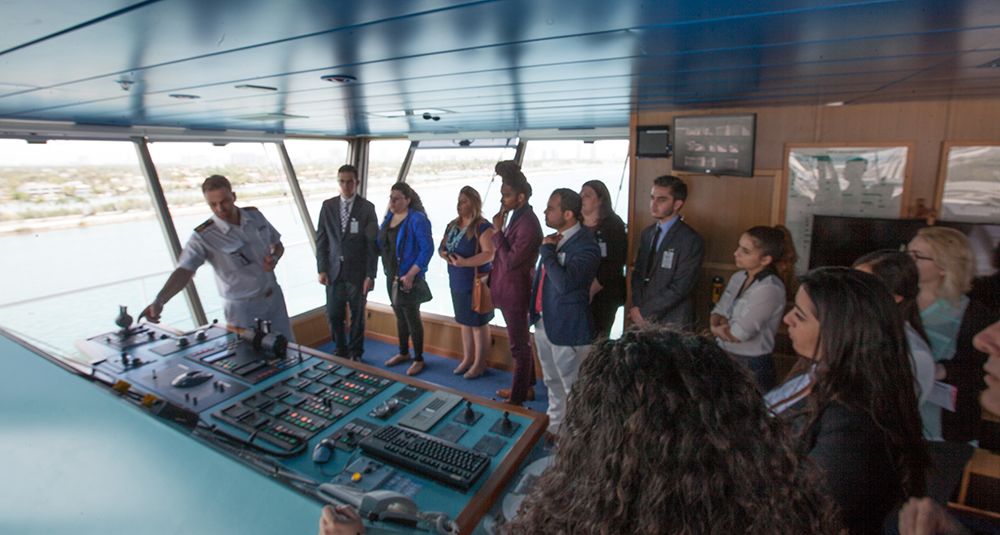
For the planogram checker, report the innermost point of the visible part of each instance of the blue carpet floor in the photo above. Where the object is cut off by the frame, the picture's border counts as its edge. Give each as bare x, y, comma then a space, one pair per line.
438, 370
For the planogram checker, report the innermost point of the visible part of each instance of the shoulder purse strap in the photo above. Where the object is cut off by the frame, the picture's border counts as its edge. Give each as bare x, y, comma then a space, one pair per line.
475, 269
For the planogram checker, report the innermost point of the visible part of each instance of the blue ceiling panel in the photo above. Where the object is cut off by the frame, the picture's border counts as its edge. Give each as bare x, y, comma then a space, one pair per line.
491, 64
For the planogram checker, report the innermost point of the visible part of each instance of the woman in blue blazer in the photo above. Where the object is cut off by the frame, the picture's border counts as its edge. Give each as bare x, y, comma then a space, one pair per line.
406, 246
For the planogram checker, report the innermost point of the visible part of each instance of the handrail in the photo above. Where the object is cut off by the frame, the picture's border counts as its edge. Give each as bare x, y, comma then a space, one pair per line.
84, 289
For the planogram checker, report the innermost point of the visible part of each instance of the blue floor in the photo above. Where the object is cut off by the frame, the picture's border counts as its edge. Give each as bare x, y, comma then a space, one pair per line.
438, 370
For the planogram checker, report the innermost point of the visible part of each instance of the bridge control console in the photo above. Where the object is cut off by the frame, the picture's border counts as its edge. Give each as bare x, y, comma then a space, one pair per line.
339, 431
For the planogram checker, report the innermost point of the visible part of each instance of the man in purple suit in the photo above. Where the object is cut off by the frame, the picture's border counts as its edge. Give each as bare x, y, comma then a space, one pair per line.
517, 239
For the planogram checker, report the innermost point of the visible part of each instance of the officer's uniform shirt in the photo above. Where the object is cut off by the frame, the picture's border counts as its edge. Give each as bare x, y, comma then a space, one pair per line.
237, 252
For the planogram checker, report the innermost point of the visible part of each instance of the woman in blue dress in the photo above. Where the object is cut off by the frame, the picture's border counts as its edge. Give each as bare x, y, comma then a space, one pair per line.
468, 247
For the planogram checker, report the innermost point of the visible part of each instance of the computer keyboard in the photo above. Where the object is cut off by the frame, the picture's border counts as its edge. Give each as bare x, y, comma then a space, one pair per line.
446, 462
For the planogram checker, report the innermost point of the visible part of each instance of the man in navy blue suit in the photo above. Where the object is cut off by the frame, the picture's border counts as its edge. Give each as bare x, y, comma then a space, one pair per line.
560, 307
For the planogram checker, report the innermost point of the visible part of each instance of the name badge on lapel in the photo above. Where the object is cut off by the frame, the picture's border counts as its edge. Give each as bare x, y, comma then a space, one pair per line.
353, 226
604, 248
561, 257
668, 259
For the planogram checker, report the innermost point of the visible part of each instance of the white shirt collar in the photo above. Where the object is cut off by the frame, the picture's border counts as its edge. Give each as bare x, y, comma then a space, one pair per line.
224, 225
567, 234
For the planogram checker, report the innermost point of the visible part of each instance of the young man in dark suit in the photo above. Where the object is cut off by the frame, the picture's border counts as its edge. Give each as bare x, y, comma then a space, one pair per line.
669, 259
560, 312
517, 238
346, 258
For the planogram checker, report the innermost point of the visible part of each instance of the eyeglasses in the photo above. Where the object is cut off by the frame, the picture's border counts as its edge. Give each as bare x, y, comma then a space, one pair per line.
918, 256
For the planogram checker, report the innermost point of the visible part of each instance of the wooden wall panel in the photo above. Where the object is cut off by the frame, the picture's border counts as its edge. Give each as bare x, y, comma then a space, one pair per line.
721, 208
442, 336
717, 206
976, 120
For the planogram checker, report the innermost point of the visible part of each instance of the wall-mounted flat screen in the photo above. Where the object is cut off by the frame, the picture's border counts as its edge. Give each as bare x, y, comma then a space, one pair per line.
839, 241
715, 144
652, 141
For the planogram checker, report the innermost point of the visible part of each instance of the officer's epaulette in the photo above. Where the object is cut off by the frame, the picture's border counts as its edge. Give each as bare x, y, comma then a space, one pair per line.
208, 223
254, 208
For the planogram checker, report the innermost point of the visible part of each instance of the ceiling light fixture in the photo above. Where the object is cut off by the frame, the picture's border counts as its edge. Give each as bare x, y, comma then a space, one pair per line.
256, 87
279, 116
834, 104
393, 114
339, 78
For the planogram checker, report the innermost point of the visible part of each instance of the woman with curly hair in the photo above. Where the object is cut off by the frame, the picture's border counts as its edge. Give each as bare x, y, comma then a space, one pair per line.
856, 409
666, 434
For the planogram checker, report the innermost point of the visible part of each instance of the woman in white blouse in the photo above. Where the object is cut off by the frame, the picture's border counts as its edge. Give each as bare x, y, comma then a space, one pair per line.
749, 312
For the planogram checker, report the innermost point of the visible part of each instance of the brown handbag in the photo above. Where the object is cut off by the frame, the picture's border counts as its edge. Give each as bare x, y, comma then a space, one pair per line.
482, 300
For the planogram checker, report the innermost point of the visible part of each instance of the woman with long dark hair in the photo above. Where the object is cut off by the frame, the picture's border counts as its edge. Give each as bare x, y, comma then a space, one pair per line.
406, 246
857, 409
664, 433
607, 292
748, 314
468, 248
899, 273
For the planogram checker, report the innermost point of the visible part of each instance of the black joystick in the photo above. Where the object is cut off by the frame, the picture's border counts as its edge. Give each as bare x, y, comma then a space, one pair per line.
506, 423
124, 359
470, 414
123, 320
200, 336
182, 341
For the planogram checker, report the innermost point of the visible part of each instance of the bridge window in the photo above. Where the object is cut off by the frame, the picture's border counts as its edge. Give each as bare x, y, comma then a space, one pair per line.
385, 156
316, 162
259, 180
551, 164
437, 175
80, 236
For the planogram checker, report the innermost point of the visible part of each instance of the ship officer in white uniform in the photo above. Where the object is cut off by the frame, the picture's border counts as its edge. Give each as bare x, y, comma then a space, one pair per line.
243, 248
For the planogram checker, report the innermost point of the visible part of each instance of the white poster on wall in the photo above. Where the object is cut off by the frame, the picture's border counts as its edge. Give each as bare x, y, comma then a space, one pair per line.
841, 181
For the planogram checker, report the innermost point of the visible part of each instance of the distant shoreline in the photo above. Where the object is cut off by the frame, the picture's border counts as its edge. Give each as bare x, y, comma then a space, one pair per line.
48, 224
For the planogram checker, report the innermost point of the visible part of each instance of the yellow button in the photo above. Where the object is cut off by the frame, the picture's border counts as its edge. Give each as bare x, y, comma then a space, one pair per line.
356, 477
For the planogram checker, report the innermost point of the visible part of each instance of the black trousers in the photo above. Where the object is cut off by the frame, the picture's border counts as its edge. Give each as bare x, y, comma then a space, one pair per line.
341, 295
409, 325
605, 308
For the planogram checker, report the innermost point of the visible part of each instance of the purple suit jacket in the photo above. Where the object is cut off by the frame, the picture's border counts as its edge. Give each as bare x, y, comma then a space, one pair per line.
514, 261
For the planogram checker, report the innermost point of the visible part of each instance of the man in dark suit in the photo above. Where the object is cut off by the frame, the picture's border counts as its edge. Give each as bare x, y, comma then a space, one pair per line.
669, 259
516, 244
560, 312
346, 258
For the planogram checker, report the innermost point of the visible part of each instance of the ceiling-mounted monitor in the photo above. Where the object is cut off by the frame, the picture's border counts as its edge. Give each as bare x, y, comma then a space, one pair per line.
715, 144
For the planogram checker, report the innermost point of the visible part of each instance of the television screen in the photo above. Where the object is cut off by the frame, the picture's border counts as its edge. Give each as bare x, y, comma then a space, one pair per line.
839, 241
653, 142
715, 144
